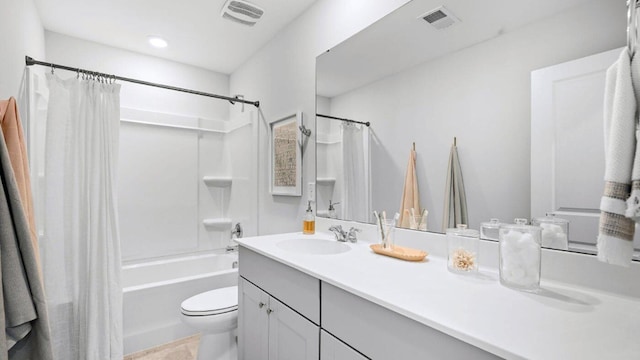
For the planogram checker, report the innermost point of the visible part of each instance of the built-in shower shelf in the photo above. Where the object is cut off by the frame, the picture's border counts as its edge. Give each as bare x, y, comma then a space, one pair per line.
326, 181
217, 223
217, 181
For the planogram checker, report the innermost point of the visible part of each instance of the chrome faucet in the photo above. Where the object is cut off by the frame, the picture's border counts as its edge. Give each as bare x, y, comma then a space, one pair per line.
344, 236
340, 234
352, 236
236, 233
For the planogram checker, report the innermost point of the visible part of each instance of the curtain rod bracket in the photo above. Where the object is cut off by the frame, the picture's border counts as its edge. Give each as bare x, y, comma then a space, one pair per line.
304, 130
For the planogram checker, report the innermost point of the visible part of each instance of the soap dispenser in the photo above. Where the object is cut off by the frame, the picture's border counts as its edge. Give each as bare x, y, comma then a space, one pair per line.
332, 210
309, 222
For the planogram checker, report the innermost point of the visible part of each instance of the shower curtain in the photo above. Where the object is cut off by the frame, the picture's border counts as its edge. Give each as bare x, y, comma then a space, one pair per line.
354, 161
81, 246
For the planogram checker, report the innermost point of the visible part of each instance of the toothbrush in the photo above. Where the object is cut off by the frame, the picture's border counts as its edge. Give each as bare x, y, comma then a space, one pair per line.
423, 219
379, 220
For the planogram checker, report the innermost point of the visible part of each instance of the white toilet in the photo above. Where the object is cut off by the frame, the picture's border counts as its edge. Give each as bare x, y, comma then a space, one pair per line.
215, 315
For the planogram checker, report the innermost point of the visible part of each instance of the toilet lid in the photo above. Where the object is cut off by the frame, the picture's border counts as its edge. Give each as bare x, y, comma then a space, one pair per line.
212, 302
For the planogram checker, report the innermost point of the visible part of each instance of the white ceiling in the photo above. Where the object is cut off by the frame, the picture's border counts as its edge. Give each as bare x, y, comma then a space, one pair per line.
402, 39
196, 33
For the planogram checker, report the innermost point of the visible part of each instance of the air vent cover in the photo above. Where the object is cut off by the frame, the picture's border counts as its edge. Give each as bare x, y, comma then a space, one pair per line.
241, 12
440, 18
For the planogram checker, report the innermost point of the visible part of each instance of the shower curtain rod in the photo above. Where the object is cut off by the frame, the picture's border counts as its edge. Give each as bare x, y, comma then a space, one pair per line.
31, 61
343, 119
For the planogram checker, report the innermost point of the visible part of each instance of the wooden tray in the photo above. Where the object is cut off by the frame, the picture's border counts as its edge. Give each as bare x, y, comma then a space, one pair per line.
400, 252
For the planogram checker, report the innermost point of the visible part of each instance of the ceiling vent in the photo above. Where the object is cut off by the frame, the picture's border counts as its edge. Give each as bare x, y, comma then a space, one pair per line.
241, 12
440, 18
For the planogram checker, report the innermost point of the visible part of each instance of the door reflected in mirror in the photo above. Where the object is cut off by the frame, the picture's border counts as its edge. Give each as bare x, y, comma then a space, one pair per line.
484, 80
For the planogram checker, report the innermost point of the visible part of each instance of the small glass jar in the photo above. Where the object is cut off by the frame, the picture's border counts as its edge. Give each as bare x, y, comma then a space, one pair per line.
490, 230
462, 249
555, 231
520, 255
387, 234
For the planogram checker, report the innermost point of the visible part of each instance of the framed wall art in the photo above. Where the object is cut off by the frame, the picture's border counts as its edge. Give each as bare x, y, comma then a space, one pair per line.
286, 156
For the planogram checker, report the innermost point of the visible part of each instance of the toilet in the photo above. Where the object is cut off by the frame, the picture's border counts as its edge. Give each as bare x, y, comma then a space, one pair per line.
215, 315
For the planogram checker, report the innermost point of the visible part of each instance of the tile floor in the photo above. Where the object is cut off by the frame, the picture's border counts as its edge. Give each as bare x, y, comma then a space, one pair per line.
183, 349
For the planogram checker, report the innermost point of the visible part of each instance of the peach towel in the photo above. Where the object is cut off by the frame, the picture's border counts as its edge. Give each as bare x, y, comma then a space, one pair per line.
410, 194
14, 137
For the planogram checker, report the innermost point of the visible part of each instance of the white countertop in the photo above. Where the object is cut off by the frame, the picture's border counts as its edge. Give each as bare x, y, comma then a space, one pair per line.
559, 322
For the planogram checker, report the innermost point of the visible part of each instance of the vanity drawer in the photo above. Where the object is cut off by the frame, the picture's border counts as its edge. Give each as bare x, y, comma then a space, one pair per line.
298, 290
380, 333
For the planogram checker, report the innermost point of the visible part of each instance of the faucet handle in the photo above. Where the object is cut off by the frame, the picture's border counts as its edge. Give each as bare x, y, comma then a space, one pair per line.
338, 232
353, 234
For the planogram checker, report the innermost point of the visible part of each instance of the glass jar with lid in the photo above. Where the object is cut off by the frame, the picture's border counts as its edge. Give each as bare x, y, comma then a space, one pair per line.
520, 252
490, 230
462, 249
555, 231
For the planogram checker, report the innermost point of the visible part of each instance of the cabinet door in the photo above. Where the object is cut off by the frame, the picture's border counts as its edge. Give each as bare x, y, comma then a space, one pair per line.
334, 349
253, 320
291, 336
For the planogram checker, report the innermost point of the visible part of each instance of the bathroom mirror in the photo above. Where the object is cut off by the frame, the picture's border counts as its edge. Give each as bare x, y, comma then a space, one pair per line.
468, 76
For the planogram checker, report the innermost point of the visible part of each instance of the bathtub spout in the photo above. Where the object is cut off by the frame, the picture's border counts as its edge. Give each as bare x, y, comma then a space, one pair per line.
232, 248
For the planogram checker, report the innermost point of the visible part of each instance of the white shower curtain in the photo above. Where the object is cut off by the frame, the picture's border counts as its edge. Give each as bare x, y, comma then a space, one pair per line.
81, 246
354, 161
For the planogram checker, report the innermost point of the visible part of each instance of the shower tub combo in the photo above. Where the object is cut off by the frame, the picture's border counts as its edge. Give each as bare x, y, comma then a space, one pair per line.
154, 290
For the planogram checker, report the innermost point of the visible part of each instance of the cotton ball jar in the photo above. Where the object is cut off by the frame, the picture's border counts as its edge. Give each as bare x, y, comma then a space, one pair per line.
555, 231
520, 250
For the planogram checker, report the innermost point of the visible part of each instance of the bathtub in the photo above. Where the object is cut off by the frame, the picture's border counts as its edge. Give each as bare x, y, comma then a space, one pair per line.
153, 291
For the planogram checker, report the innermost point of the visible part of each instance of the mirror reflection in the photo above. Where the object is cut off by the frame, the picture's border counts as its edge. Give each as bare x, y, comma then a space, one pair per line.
519, 86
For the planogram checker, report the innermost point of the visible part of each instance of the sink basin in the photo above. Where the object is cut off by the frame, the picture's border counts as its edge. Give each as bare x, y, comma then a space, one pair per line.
313, 246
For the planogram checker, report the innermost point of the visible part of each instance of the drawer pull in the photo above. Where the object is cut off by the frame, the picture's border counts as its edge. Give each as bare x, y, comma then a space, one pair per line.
269, 311
261, 305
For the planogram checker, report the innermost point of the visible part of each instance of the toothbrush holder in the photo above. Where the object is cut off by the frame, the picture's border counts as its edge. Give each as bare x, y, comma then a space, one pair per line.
386, 233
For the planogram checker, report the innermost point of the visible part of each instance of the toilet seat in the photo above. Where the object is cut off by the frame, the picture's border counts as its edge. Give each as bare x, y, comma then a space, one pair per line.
213, 302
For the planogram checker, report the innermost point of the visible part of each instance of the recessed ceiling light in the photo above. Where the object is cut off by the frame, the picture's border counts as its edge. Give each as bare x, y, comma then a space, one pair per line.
157, 42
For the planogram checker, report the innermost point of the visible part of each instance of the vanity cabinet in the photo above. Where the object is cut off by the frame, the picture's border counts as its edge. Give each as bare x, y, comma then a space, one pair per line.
268, 329
380, 333
333, 349
279, 311
253, 322
280, 318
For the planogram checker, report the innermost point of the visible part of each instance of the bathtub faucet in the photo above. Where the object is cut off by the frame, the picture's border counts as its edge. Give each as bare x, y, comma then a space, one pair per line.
236, 233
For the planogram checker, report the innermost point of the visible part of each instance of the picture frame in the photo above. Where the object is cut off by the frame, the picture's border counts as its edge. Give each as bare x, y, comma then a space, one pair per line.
286, 156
